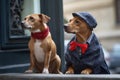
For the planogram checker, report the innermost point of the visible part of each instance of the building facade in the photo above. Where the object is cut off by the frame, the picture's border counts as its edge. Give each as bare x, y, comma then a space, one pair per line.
107, 14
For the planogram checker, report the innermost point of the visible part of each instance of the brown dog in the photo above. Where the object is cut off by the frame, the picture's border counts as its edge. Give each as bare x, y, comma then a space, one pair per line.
43, 56
84, 54
82, 31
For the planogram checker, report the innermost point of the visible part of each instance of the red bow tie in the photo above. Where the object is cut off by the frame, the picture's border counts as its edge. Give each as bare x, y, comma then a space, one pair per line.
74, 44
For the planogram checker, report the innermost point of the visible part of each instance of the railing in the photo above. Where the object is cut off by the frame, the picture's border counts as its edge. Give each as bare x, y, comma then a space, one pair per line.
17, 76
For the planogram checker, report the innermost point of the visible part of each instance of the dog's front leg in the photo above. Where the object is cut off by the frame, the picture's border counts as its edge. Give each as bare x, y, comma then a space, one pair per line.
70, 70
86, 71
31, 68
31, 47
46, 63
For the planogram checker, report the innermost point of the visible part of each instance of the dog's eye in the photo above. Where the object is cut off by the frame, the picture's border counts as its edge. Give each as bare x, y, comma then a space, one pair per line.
31, 19
70, 20
24, 18
76, 21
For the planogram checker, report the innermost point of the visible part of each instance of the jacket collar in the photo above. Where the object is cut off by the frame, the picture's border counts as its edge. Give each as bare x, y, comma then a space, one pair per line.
89, 40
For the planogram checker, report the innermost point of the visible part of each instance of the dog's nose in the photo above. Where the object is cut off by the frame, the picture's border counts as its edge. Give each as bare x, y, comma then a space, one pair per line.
22, 23
65, 26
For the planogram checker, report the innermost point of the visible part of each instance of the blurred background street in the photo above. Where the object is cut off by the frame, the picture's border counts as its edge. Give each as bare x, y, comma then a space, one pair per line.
107, 14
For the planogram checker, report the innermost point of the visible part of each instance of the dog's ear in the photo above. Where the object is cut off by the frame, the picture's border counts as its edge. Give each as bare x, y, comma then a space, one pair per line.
44, 18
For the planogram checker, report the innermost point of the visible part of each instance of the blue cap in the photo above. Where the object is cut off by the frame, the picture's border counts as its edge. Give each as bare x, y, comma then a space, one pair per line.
88, 18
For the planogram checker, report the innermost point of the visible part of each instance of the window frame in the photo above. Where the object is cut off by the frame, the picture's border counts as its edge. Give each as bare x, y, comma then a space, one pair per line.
7, 40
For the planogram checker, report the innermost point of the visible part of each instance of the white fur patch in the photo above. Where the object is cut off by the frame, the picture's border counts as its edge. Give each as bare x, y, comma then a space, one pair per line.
45, 71
29, 71
39, 53
38, 30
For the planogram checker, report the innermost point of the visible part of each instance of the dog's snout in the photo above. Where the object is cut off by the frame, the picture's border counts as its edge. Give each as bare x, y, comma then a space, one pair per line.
65, 26
22, 23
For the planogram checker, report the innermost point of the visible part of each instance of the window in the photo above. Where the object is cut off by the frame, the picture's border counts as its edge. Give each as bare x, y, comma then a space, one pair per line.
30, 7
12, 13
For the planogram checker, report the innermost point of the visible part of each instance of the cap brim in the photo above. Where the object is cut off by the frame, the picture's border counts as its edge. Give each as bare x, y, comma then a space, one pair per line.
78, 15
75, 14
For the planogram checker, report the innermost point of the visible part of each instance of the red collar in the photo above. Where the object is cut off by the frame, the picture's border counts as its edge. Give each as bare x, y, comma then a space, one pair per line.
40, 35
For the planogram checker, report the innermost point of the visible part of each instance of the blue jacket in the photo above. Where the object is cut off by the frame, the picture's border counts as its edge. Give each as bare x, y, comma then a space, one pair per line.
93, 57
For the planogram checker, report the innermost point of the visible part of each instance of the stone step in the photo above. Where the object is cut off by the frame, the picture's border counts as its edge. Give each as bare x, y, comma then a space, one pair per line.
20, 76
